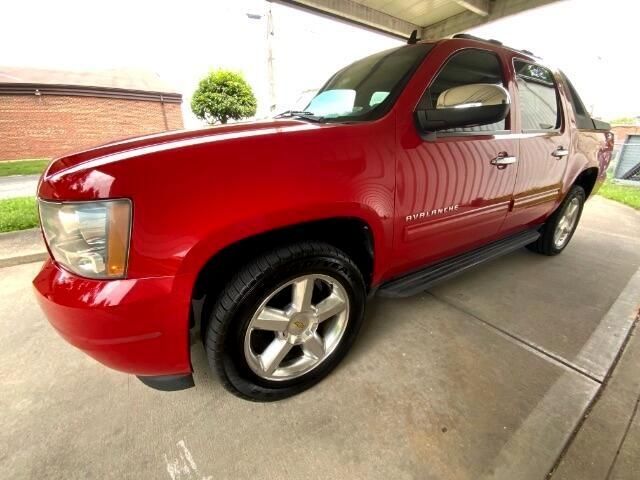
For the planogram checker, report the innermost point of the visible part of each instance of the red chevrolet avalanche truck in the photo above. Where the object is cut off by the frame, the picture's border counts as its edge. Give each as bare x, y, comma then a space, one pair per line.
407, 167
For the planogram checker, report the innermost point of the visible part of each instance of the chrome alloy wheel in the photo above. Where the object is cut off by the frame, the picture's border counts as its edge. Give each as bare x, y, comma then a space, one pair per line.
296, 327
567, 223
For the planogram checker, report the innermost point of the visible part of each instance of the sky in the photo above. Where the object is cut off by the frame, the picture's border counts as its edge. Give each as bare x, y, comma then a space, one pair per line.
590, 40
595, 43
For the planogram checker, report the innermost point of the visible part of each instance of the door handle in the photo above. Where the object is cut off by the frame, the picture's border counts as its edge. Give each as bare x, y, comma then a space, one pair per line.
502, 160
560, 152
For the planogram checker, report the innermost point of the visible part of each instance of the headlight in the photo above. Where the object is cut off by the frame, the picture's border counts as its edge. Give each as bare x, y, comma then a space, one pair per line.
88, 238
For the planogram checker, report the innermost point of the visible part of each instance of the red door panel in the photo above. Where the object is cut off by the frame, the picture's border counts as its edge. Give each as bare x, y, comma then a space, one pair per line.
541, 169
539, 184
450, 198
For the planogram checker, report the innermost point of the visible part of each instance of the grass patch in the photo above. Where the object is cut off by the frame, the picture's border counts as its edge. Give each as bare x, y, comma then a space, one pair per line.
621, 193
23, 167
18, 214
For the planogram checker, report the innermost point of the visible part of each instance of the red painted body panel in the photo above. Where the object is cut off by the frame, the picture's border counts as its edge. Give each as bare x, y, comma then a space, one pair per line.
132, 325
195, 193
443, 172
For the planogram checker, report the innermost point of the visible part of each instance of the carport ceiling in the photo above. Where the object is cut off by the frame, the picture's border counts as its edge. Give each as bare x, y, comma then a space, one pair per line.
432, 18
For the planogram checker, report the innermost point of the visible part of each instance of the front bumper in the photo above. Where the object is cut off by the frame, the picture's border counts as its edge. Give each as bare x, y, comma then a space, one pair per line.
138, 326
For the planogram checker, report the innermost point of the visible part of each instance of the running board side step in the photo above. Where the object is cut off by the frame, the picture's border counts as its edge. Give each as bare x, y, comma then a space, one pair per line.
426, 278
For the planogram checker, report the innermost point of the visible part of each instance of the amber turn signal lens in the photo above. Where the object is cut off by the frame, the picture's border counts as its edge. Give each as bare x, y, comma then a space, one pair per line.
88, 238
118, 239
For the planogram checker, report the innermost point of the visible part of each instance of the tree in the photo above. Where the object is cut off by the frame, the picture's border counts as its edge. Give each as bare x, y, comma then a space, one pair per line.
624, 121
222, 95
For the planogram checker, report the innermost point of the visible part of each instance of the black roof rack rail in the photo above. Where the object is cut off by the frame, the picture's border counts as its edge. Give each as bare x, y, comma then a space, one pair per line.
468, 36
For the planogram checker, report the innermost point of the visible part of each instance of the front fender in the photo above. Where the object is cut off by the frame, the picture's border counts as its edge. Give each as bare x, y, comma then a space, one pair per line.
241, 229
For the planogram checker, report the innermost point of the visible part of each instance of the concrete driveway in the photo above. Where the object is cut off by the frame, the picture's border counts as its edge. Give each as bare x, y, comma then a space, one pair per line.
486, 376
18, 186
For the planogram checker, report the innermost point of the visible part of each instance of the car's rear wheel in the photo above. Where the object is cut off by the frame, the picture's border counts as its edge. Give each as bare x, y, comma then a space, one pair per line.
285, 321
561, 225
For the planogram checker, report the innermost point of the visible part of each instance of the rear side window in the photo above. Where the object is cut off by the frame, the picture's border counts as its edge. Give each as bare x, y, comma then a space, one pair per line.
538, 97
466, 67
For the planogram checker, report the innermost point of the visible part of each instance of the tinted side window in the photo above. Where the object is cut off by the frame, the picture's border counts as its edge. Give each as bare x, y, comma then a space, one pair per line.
465, 68
538, 97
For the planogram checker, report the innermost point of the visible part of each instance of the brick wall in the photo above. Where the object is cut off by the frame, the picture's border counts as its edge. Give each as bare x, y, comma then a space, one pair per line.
621, 132
48, 126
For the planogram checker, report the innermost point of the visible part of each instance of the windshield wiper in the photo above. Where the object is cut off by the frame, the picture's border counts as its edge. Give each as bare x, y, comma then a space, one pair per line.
299, 113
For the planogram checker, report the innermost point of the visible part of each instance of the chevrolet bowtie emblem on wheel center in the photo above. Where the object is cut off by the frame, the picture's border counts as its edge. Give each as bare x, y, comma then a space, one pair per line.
299, 324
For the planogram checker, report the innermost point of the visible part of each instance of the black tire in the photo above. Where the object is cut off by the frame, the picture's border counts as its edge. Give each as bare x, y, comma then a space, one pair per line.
242, 296
545, 244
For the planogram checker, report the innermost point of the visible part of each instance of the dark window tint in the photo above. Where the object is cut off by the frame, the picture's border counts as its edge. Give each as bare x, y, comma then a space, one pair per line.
465, 68
367, 88
538, 97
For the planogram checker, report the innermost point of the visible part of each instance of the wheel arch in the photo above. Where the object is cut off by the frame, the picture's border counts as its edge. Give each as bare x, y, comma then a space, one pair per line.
587, 179
352, 235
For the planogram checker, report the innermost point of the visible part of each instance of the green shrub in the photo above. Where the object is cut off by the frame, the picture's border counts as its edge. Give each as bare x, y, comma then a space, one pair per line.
222, 95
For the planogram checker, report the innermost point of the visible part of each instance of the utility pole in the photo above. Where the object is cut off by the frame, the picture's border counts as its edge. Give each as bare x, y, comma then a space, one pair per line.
270, 70
271, 80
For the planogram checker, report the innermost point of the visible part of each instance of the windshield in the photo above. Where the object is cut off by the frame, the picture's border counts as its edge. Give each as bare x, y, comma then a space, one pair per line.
367, 89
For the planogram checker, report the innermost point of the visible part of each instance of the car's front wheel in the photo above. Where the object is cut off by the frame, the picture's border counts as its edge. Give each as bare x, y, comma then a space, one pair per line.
285, 320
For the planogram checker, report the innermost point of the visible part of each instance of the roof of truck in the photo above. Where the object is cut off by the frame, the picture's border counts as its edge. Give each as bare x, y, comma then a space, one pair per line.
489, 41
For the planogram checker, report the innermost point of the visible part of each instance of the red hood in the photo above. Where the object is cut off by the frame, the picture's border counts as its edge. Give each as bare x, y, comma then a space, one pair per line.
146, 144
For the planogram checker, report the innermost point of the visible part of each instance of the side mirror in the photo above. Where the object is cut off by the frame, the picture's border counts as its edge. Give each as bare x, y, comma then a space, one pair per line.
465, 106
